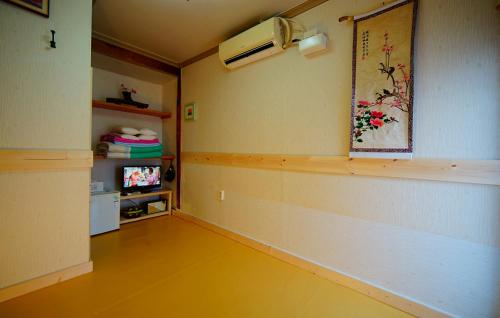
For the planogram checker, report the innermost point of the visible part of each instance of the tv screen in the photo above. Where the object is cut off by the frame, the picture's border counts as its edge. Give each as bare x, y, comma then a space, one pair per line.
141, 178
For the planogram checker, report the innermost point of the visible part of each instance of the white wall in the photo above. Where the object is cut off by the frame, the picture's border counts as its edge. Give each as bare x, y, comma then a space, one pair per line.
44, 104
434, 242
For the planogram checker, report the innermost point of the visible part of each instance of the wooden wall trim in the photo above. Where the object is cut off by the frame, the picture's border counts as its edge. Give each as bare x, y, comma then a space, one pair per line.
128, 56
44, 281
29, 160
293, 12
462, 171
301, 8
178, 139
200, 56
377, 293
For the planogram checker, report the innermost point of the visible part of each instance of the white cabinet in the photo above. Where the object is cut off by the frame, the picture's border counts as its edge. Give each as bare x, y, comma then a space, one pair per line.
104, 212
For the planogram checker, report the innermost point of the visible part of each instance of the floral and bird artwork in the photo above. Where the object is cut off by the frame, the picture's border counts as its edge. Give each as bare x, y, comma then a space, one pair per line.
382, 101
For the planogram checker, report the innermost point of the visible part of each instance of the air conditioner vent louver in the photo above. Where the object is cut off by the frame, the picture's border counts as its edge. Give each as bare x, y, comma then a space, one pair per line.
249, 53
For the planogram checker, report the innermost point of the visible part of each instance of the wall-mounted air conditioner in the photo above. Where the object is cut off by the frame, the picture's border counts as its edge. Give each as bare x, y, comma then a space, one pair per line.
264, 39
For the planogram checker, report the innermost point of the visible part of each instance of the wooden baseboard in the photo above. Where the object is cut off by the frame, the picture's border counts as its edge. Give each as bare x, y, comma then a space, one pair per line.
44, 281
379, 294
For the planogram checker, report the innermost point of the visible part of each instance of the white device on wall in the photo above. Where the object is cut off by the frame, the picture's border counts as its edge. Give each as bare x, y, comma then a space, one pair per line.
263, 40
313, 42
104, 212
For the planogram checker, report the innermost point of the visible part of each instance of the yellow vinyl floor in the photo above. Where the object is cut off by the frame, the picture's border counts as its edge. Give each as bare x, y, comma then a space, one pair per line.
166, 267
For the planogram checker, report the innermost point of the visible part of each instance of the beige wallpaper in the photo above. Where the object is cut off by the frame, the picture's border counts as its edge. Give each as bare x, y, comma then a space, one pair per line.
44, 104
45, 101
44, 226
435, 242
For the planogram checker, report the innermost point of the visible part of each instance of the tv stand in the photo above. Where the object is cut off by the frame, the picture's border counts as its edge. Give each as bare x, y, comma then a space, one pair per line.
154, 191
165, 194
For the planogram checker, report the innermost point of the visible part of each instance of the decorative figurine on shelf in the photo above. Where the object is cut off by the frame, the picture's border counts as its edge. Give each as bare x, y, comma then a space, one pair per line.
127, 92
127, 98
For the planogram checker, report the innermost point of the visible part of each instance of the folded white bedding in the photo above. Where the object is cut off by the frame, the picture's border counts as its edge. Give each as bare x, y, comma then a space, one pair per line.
131, 137
137, 155
118, 155
105, 147
147, 137
148, 132
128, 131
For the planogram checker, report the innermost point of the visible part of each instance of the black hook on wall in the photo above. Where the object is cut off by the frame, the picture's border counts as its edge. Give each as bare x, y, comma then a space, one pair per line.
53, 42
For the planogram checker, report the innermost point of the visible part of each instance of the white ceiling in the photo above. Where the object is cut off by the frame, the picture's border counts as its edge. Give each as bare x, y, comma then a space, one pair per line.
176, 30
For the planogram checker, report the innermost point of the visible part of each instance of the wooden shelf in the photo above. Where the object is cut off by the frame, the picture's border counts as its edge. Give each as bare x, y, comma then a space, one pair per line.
130, 109
148, 216
101, 157
167, 194
145, 195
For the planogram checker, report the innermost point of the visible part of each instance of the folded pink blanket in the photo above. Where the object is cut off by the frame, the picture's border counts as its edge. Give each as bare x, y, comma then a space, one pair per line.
112, 137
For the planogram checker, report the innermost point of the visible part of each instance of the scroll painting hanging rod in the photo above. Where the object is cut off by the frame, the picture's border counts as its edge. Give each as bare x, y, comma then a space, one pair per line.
351, 17
346, 18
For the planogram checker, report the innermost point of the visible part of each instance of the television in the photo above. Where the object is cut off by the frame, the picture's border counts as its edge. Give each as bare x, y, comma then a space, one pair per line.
141, 178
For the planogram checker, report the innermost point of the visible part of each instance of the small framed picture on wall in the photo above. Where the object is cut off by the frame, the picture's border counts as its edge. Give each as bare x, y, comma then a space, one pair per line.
190, 112
37, 6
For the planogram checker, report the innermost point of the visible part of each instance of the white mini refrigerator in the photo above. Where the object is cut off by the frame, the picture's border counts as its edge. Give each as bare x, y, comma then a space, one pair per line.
104, 212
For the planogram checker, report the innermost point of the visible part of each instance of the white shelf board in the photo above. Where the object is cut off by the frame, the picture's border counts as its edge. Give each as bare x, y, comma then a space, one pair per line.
145, 195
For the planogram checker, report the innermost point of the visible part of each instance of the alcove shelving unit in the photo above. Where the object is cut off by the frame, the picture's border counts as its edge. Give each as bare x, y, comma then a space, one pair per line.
163, 193
127, 57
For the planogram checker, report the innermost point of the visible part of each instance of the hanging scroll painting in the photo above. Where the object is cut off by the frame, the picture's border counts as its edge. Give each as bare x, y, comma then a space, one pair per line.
382, 97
